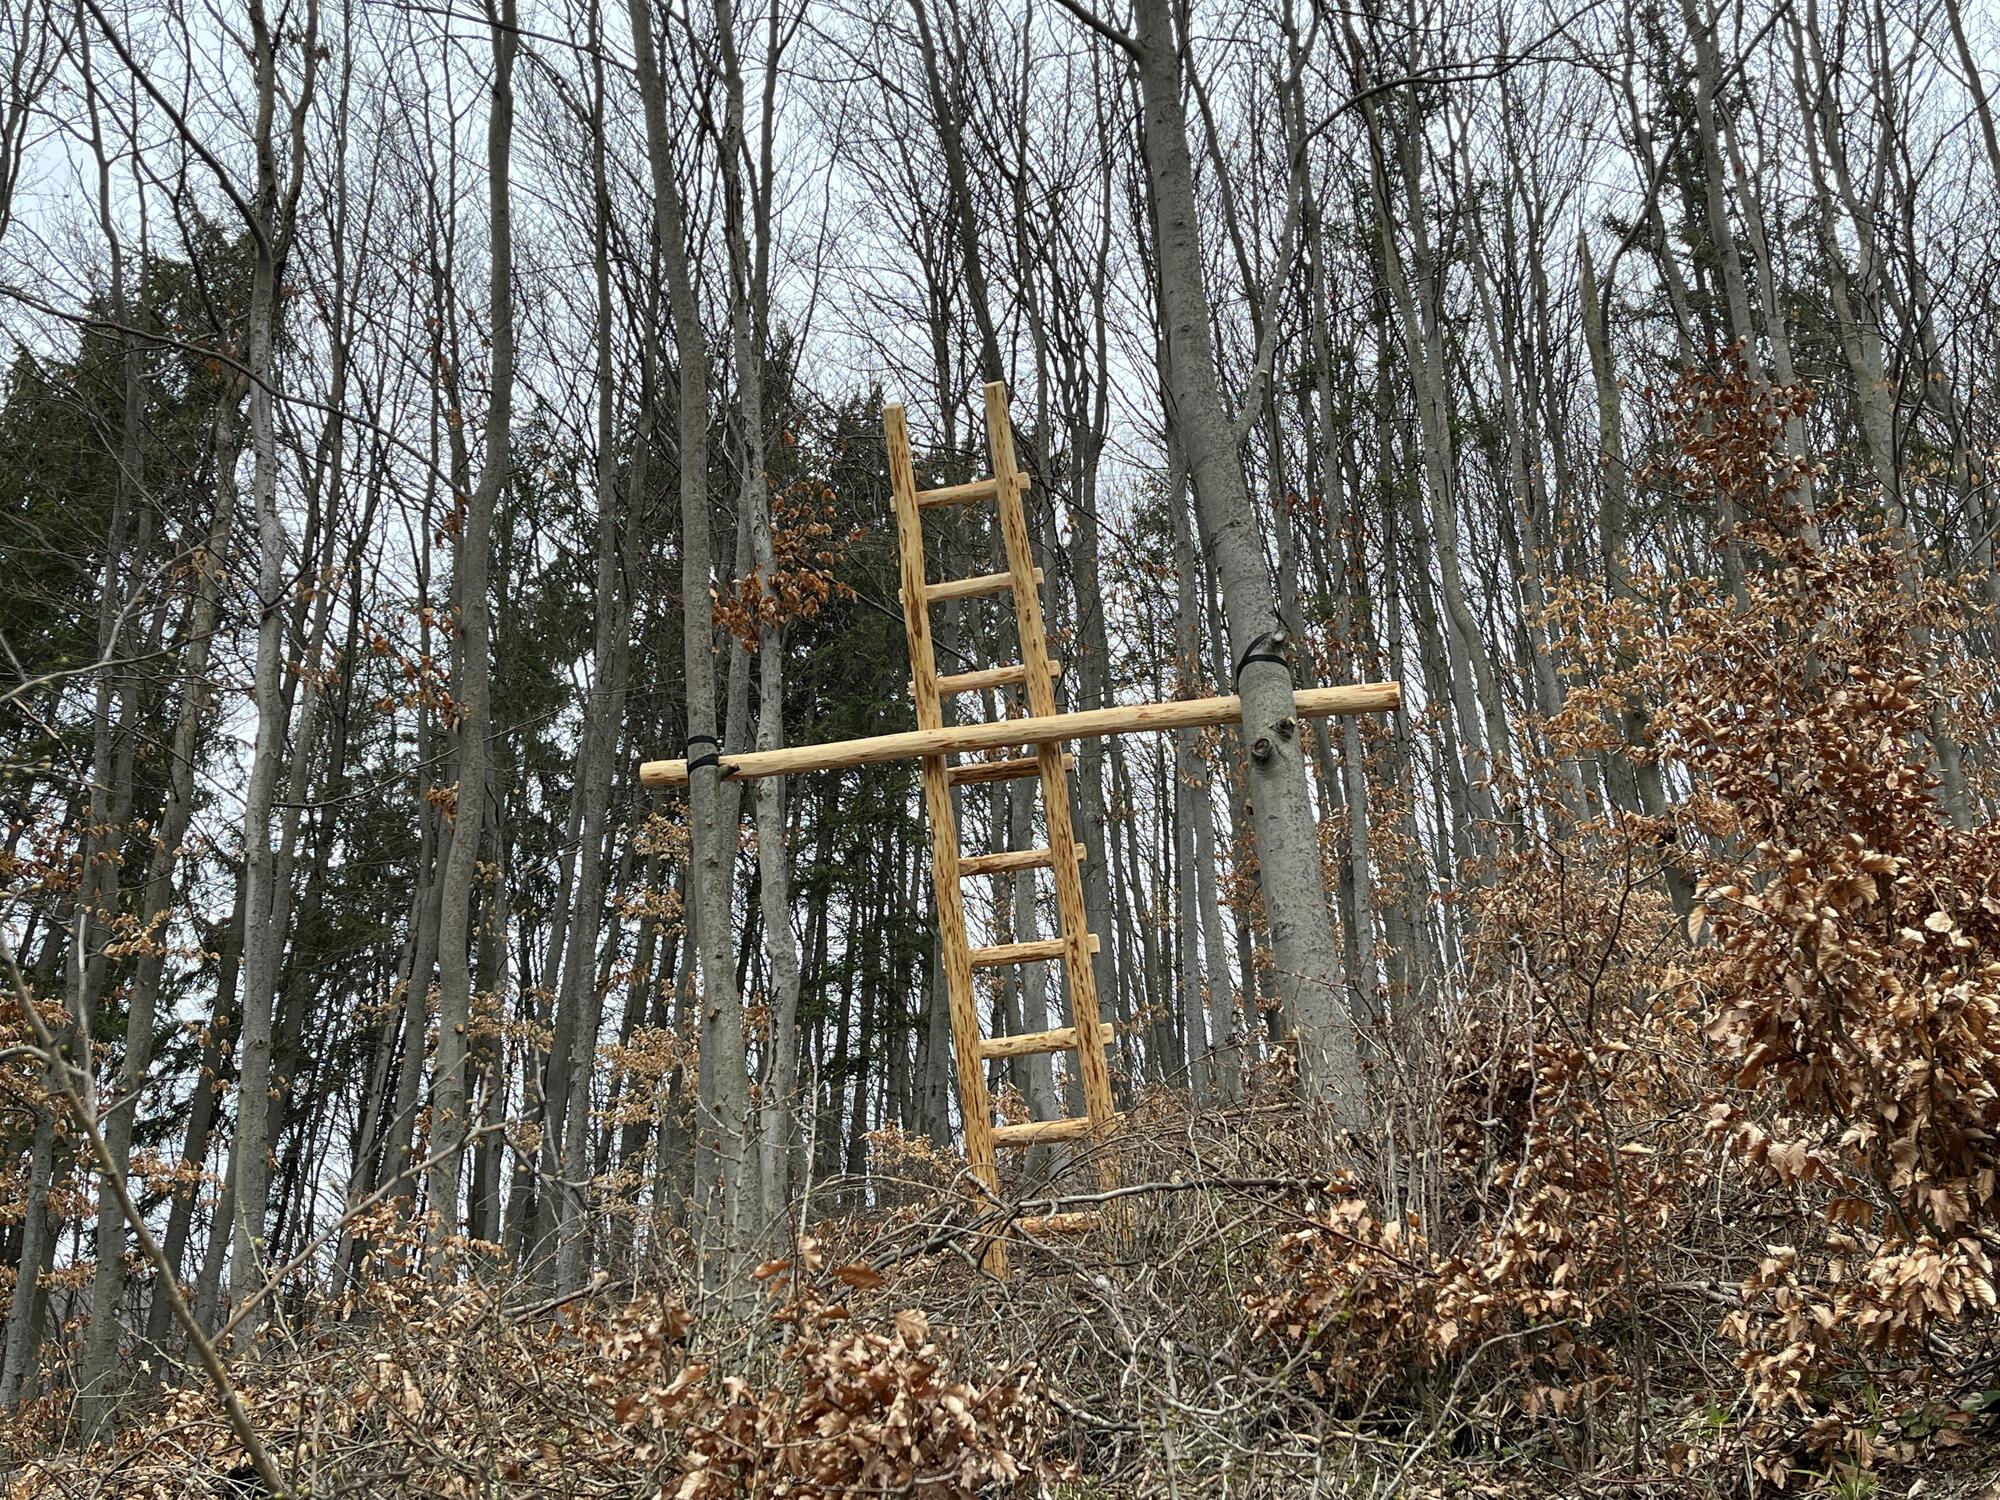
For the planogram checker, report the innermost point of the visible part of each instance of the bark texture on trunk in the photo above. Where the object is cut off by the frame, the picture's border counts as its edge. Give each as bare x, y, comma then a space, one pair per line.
450, 1115
1307, 957
724, 1123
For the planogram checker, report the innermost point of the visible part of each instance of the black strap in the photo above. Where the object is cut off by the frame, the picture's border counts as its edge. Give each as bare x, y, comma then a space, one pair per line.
1250, 656
707, 757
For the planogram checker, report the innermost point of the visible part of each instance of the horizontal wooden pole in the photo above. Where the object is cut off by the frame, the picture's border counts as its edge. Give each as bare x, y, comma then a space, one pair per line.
1009, 860
1042, 950
959, 494
1047, 729
990, 677
1078, 1223
1034, 1132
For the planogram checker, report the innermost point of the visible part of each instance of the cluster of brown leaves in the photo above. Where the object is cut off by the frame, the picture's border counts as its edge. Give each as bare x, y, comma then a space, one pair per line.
1848, 973
805, 552
448, 1382
1850, 977
851, 1407
865, 1412
416, 679
1724, 453
1800, 1093
1562, 1149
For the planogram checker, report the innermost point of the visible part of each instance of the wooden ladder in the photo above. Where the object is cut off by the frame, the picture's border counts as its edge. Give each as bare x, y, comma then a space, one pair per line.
1035, 673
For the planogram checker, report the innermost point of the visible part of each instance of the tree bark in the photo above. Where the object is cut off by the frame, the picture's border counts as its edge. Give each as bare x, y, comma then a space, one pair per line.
1308, 959
725, 1079
274, 209
579, 995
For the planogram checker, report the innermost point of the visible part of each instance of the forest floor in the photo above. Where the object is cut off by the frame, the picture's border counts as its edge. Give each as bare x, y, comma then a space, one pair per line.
1164, 1356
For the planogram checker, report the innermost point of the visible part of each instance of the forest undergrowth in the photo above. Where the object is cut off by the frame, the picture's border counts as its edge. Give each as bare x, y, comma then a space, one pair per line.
1663, 1196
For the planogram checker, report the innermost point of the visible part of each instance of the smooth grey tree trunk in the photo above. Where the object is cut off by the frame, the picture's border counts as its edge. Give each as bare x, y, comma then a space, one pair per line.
725, 1079
450, 1115
97, 1373
217, 1057
611, 650
1307, 957
1474, 694
1353, 767
275, 206
747, 230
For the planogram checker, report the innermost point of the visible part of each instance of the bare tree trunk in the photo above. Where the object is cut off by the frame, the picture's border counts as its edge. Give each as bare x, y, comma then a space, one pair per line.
1474, 694
1857, 296
1194, 811
274, 209
1701, 25
1308, 959
449, 1113
724, 1070
489, 1047
579, 994
20, 1337
748, 187
1646, 790
948, 109
98, 1369
1353, 769
216, 1055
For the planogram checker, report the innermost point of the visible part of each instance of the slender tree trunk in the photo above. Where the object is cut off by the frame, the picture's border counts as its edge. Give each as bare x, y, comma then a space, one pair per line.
274, 205
1308, 959
218, 1049
1474, 695
725, 1079
579, 994
38, 1237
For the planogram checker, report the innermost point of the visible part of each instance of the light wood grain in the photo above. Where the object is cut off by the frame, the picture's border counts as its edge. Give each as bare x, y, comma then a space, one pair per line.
958, 494
1078, 943
1033, 1043
971, 588
1040, 1132
1077, 1223
1039, 951
1123, 718
992, 677
954, 953
1008, 860
1011, 769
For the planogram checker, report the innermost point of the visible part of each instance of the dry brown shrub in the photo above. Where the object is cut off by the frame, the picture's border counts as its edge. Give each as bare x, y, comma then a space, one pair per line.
1552, 1146
1849, 973
862, 1412
1623, 1161
451, 1384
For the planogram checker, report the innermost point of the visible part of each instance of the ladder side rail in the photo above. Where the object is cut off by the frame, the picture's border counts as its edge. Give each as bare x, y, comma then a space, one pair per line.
1092, 1061
954, 948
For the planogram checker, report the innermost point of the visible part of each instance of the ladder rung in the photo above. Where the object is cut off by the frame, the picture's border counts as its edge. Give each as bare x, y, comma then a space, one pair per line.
1015, 859
1036, 1131
1078, 1223
1024, 953
1030, 1043
967, 494
972, 682
1010, 769
972, 588
1008, 860
960, 494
